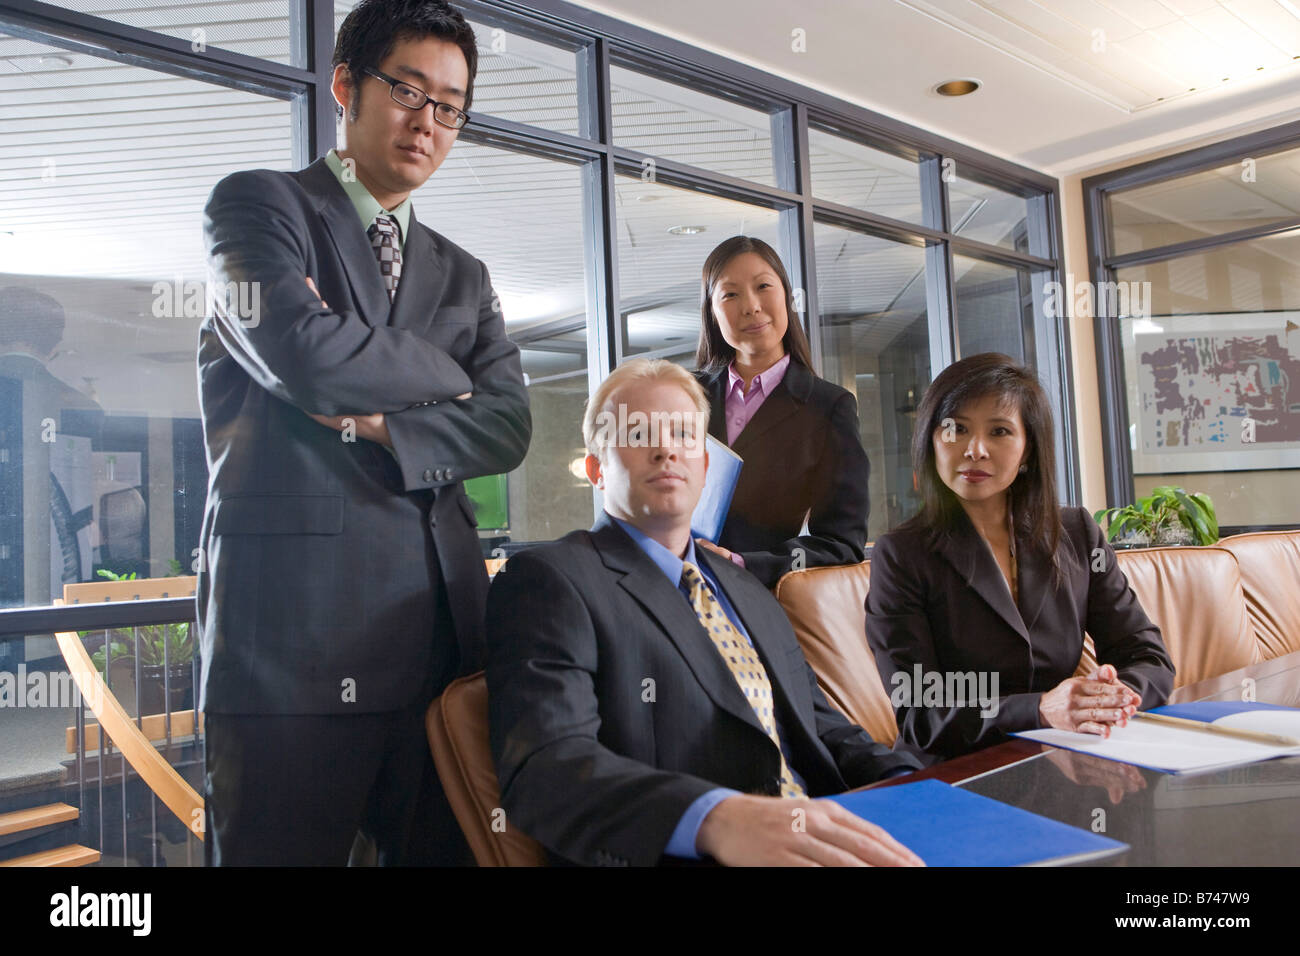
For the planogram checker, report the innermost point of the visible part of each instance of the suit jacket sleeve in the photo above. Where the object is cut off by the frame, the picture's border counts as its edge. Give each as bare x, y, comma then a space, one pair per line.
898, 630
559, 784
861, 760
300, 351
1121, 631
837, 519
486, 434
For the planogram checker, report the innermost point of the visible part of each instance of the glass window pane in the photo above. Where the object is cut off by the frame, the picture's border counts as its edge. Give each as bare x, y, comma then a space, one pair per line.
519, 78
1211, 348
995, 310
989, 214
100, 302
664, 119
1214, 202
261, 28
538, 270
875, 342
856, 175
664, 236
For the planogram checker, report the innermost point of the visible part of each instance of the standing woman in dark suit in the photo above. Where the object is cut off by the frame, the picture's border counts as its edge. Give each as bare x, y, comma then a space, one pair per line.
797, 433
993, 579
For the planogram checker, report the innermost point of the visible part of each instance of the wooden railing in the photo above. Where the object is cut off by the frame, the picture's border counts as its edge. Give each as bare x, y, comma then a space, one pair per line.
128, 737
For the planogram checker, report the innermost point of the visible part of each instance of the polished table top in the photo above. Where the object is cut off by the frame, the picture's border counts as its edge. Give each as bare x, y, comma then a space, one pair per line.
1245, 816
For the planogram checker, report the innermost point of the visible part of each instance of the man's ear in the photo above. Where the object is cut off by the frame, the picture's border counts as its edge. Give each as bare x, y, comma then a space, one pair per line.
342, 87
592, 464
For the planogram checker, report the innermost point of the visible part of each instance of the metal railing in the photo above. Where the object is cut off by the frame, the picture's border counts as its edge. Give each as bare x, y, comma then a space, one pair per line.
117, 783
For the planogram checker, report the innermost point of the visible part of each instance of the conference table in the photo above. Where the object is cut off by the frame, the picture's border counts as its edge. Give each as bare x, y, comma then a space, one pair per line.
1243, 816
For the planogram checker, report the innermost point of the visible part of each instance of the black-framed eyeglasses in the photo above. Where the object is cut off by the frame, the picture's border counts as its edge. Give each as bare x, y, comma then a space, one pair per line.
414, 98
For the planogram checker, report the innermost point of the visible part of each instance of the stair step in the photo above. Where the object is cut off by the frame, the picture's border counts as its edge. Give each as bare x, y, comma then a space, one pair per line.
71, 855
33, 818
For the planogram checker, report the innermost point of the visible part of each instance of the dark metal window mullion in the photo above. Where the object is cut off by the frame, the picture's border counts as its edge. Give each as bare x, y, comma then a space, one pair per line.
803, 222
940, 306
1118, 461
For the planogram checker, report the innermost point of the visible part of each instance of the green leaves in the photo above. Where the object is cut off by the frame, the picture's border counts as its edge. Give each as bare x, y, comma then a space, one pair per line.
1165, 507
175, 638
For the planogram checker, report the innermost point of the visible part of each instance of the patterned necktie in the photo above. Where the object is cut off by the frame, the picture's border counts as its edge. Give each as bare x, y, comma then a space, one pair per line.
742, 660
388, 251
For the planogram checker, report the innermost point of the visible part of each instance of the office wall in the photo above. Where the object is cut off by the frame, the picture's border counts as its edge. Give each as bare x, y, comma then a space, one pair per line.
1082, 344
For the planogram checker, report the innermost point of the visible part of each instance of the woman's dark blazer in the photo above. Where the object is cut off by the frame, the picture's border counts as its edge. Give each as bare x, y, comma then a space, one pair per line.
944, 605
802, 457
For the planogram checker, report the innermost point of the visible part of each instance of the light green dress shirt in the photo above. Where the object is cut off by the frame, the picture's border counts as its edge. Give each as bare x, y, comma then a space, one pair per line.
367, 206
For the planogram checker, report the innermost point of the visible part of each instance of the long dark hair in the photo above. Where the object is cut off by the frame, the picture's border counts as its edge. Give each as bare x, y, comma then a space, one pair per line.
1031, 498
713, 351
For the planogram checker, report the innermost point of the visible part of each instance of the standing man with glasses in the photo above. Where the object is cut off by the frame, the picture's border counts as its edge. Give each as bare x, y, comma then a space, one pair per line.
354, 372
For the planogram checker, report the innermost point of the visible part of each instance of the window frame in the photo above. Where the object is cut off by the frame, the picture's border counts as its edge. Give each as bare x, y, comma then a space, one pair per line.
1103, 264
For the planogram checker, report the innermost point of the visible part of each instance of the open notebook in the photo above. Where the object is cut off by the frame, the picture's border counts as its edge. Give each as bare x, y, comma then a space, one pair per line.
1181, 750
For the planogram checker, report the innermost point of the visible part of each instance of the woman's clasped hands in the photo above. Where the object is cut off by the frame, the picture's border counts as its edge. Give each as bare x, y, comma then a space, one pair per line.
1095, 704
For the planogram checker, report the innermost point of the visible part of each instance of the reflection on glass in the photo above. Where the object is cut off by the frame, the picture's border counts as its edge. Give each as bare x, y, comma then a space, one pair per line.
664, 119
989, 214
101, 241
855, 175
1242, 194
664, 236
995, 310
260, 28
1217, 342
875, 342
538, 271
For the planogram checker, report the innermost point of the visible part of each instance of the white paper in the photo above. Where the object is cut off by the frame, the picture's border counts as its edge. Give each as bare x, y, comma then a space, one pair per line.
1161, 747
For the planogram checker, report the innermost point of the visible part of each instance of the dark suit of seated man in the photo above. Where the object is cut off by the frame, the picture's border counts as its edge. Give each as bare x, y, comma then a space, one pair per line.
623, 731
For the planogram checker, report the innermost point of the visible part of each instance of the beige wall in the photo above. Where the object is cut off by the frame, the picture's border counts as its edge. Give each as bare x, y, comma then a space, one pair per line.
1082, 345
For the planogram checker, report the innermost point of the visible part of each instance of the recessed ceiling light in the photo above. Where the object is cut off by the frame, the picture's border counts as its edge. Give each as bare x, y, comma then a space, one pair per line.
686, 230
56, 61
957, 87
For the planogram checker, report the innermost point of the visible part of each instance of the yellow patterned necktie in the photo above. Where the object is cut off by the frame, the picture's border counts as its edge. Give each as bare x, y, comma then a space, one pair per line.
742, 660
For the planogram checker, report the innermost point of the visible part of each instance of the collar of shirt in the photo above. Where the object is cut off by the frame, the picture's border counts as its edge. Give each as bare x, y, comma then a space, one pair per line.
367, 206
671, 565
665, 560
765, 380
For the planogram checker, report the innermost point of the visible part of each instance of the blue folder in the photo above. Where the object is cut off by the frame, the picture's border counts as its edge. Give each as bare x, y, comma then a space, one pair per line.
948, 826
710, 512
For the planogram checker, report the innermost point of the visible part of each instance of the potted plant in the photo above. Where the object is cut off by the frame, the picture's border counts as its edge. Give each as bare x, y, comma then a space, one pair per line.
156, 642
1167, 516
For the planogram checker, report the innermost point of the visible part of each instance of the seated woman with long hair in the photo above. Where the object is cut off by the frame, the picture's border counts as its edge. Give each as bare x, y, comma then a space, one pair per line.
992, 584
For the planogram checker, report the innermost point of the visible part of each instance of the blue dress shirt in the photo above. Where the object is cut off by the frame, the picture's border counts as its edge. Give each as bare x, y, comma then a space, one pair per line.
682, 842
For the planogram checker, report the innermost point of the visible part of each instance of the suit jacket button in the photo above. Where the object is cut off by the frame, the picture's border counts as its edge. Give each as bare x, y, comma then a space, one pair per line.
428, 475
449, 474
440, 473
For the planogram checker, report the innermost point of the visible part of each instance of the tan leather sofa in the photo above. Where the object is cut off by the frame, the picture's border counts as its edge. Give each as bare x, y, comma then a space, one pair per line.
1219, 608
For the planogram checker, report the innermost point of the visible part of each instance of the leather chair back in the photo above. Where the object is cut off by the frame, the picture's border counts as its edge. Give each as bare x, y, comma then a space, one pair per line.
827, 608
457, 725
1270, 576
1195, 596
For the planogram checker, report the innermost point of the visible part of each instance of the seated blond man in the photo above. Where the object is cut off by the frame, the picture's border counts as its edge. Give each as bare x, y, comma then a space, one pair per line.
625, 730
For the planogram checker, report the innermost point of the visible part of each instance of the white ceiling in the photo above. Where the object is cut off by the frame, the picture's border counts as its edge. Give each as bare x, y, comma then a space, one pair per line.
1163, 72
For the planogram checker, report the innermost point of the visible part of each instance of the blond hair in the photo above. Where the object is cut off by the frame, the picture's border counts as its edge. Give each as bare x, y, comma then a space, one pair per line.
630, 372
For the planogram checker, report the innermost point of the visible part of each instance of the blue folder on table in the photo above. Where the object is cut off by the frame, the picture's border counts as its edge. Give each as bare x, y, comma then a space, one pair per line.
710, 512
948, 826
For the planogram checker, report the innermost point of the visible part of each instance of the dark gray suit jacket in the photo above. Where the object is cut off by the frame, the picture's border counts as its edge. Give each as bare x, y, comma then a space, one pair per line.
942, 603
611, 711
335, 569
803, 456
